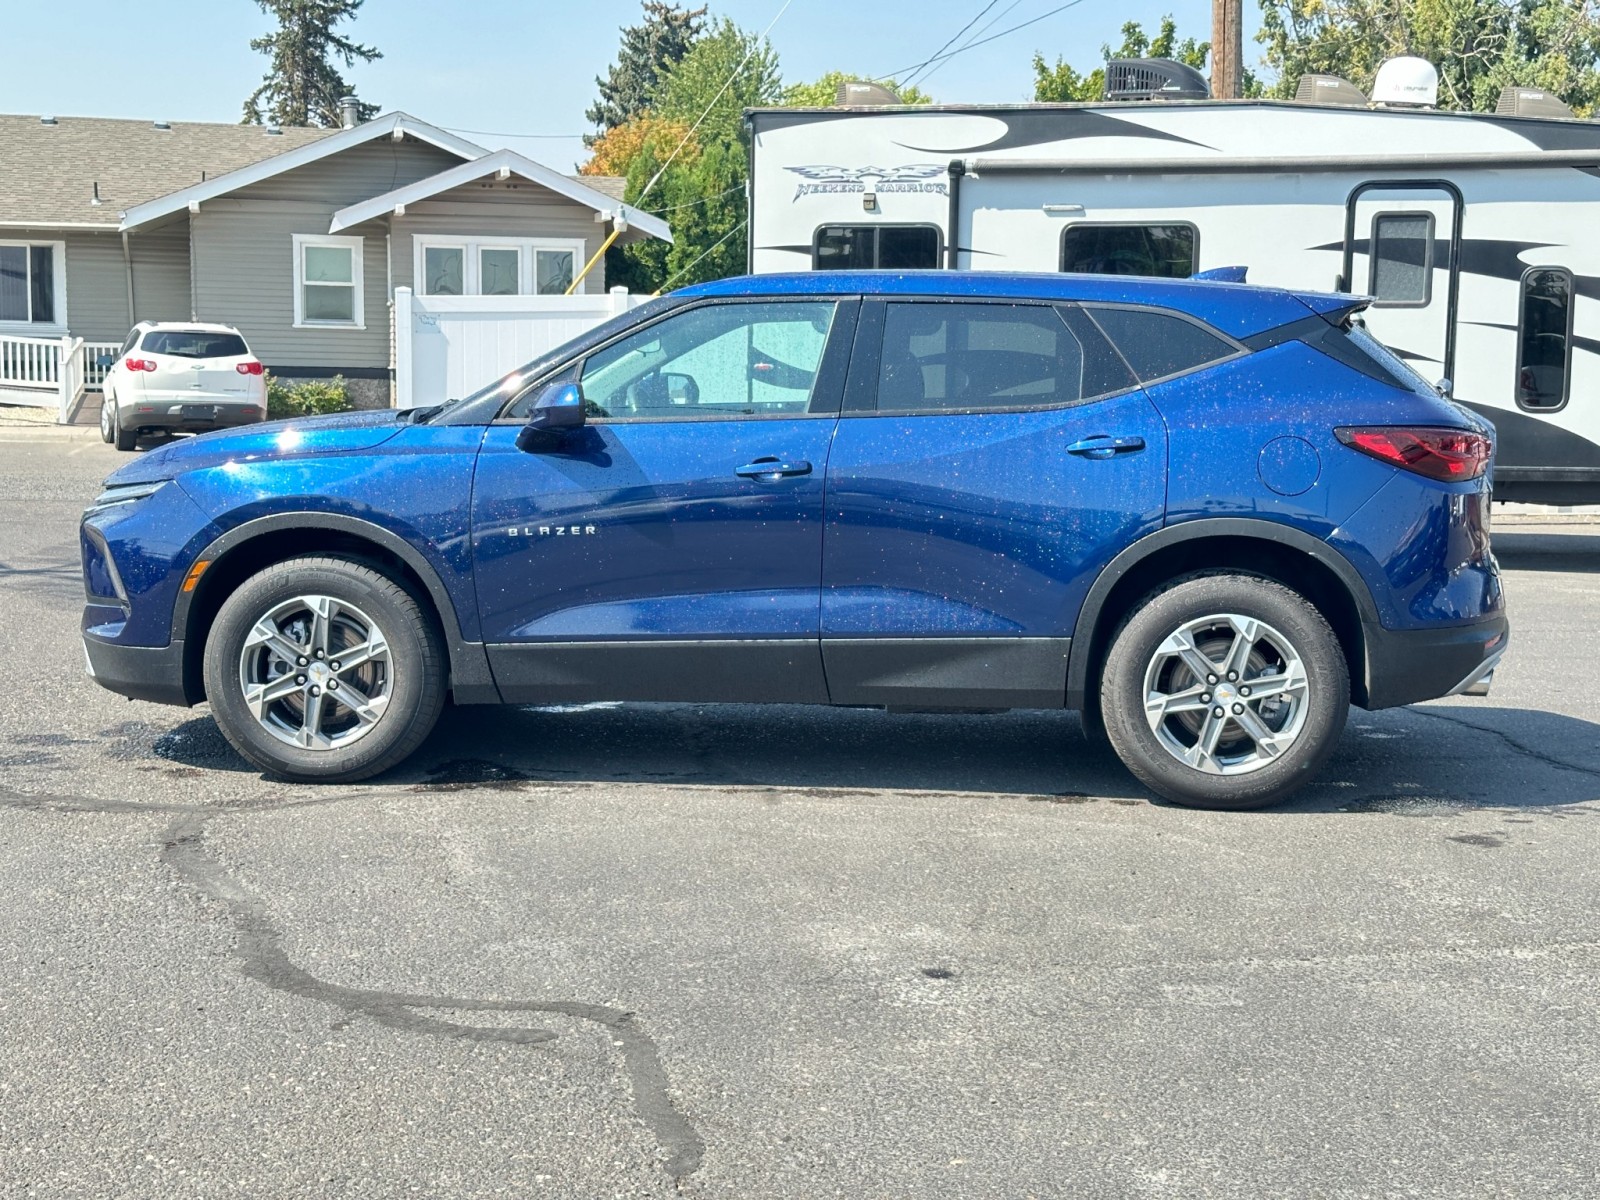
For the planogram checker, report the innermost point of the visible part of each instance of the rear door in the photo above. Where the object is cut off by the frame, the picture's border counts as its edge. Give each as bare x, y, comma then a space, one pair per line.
196, 368
992, 457
1402, 249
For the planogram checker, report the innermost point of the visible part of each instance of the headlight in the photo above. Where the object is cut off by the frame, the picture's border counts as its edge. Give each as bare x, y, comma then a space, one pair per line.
126, 493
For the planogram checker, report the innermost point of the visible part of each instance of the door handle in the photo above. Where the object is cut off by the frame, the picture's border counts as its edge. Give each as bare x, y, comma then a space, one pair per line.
1103, 445
772, 468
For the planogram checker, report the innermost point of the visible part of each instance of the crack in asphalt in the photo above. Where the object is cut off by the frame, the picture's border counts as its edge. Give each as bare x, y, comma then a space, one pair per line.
263, 958
1548, 759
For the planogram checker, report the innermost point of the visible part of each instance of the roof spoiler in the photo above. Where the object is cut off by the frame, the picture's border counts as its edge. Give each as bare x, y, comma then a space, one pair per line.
1333, 307
1222, 274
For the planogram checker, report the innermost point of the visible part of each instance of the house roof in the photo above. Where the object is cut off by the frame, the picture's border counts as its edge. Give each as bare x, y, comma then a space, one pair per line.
583, 190
50, 171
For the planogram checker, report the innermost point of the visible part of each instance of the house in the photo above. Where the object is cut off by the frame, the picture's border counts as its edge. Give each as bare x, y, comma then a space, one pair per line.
298, 237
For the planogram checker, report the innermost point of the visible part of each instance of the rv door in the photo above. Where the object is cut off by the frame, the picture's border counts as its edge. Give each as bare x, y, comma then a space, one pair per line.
1402, 241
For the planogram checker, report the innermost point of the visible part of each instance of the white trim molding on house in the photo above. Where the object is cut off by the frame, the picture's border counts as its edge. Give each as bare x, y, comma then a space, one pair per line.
328, 276
33, 287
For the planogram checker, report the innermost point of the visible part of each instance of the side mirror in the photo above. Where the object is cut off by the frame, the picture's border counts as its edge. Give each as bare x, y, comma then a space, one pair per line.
105, 360
559, 407
1445, 387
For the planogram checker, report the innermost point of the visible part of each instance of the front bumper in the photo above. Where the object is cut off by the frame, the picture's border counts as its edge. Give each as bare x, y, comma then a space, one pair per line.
153, 673
1409, 666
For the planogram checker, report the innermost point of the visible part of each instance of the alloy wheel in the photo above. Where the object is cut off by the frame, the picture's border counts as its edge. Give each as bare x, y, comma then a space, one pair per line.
1226, 694
316, 672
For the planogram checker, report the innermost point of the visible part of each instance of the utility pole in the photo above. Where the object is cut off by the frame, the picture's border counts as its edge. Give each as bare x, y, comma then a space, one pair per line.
1227, 49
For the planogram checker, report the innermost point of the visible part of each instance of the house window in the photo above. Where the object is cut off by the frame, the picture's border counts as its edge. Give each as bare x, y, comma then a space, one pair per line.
327, 281
1544, 339
31, 283
1166, 250
882, 247
496, 266
1402, 259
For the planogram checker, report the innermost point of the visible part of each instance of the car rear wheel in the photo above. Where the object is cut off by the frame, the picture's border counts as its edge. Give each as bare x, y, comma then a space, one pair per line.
324, 670
1225, 691
125, 439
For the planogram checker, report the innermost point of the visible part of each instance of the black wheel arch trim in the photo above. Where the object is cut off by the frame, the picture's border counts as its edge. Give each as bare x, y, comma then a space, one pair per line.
470, 678
1086, 631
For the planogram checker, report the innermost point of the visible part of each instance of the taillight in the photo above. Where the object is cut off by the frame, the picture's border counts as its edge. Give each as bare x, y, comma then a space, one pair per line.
249, 368
139, 364
1449, 455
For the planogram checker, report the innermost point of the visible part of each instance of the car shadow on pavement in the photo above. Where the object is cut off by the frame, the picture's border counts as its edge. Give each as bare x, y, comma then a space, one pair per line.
1424, 760
1528, 551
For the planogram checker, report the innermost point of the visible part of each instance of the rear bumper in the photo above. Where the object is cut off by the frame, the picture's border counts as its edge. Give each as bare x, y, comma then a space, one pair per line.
1410, 666
153, 673
169, 415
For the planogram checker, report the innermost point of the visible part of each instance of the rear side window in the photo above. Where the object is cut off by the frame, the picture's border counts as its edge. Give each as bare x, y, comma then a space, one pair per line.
1402, 259
876, 247
972, 357
1544, 339
1158, 344
1165, 250
194, 343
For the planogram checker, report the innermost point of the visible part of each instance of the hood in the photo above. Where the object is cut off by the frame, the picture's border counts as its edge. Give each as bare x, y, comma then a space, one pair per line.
303, 437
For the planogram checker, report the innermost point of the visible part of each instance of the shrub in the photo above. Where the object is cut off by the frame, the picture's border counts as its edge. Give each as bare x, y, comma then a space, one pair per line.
309, 398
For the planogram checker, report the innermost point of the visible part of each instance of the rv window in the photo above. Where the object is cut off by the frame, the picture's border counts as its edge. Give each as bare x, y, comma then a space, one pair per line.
1544, 339
1402, 259
872, 247
1166, 251
970, 357
1161, 344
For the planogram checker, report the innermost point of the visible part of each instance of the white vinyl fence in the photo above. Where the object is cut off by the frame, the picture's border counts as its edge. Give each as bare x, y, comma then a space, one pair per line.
447, 347
51, 373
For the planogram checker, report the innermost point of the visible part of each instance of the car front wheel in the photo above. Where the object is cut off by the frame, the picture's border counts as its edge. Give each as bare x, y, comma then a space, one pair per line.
324, 670
1225, 691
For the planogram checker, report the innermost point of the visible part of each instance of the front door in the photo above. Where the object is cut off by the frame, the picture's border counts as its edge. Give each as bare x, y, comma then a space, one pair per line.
670, 549
1402, 251
991, 459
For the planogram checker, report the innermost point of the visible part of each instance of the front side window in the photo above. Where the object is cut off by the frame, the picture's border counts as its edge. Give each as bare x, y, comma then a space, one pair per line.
1544, 339
1402, 259
876, 247
1160, 344
970, 357
28, 284
1165, 251
328, 281
722, 360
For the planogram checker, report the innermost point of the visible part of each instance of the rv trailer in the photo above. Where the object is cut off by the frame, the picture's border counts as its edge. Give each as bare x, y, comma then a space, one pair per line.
1478, 235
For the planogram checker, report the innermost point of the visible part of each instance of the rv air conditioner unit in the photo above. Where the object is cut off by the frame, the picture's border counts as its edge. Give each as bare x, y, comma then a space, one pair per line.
1531, 102
1329, 89
858, 93
1406, 83
1153, 79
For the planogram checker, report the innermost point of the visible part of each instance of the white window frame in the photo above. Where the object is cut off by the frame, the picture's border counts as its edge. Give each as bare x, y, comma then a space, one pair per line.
356, 245
58, 268
472, 268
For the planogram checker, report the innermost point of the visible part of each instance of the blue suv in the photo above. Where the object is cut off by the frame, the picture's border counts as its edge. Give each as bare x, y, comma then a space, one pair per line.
1207, 516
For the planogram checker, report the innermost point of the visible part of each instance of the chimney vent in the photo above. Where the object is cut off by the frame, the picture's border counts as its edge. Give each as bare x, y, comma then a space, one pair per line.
47, 121
167, 125
349, 112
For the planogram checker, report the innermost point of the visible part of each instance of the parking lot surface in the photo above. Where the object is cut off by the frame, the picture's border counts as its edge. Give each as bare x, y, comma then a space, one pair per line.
780, 952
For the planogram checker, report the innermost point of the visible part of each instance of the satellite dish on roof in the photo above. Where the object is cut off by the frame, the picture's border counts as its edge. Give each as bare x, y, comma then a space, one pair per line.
1406, 83
858, 92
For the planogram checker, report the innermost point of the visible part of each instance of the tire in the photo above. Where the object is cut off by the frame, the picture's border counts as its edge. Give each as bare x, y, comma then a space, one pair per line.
301, 725
107, 407
125, 439
1266, 744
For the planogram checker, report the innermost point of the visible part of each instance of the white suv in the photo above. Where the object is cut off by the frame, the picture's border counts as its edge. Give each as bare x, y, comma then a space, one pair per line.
183, 376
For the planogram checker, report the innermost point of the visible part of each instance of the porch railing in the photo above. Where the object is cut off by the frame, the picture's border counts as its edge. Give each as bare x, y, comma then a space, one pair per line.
50, 372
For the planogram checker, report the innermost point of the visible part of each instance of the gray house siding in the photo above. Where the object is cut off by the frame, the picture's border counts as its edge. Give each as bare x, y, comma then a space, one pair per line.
356, 174
97, 290
160, 273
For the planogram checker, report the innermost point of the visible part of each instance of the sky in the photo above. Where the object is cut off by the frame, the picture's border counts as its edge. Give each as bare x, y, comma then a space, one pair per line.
525, 67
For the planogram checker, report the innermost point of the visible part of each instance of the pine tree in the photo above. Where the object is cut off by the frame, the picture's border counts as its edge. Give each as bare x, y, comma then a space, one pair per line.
302, 86
649, 51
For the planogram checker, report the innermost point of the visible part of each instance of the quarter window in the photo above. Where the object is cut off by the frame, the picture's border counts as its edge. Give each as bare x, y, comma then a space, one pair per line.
1402, 259
28, 283
327, 281
1159, 344
876, 247
972, 357
1165, 250
1544, 339
721, 360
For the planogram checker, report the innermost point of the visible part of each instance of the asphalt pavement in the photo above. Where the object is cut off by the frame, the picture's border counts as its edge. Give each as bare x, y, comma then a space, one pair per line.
754, 952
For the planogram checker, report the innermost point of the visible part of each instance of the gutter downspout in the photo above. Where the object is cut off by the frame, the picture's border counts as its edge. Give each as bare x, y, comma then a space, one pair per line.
127, 266
952, 249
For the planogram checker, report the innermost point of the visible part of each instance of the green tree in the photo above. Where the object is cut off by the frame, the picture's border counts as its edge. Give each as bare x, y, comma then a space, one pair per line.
822, 93
1062, 83
303, 86
649, 51
1479, 46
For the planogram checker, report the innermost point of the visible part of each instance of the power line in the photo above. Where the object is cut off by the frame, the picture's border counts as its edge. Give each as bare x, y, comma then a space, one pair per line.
974, 36
907, 81
994, 37
499, 133
709, 249
661, 212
